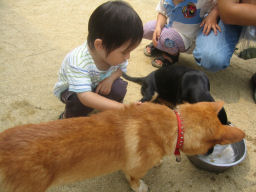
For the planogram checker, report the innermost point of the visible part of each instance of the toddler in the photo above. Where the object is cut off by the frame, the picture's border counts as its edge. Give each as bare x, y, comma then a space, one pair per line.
89, 77
176, 27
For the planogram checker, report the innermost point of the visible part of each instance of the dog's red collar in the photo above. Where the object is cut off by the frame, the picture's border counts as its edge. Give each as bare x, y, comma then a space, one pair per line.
180, 139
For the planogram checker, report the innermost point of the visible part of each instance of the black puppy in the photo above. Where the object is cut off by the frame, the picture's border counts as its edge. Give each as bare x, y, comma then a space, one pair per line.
177, 84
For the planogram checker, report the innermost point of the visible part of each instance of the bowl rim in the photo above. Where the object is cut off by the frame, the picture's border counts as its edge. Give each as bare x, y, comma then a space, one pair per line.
228, 164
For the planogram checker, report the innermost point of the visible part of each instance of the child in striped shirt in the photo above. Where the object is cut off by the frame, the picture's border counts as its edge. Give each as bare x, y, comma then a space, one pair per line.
89, 77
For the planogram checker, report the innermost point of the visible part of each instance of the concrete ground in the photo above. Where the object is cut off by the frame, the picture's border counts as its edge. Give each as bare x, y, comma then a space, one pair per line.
36, 35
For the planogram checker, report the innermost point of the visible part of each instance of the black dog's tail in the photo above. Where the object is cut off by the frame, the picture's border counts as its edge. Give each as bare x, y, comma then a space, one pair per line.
139, 80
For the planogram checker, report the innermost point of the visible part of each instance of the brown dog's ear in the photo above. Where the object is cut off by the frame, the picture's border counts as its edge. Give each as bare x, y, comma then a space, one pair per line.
230, 134
218, 105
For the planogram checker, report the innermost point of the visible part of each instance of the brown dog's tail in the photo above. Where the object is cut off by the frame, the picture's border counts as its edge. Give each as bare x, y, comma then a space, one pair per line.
139, 80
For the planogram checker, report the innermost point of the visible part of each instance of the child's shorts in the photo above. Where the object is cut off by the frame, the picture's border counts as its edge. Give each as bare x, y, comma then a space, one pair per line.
170, 41
74, 108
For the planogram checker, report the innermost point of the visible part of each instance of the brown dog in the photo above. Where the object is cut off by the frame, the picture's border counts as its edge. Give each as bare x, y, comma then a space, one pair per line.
134, 139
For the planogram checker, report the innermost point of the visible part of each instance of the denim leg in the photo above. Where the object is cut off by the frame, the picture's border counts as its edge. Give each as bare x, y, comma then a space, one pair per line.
213, 52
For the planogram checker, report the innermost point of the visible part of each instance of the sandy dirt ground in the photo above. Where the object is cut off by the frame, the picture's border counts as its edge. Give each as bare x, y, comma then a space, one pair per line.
34, 38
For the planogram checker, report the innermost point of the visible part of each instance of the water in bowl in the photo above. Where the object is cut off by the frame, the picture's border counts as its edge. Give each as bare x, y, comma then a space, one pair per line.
222, 154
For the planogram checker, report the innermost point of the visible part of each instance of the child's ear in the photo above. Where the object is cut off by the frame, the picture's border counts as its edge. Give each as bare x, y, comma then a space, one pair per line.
230, 134
98, 44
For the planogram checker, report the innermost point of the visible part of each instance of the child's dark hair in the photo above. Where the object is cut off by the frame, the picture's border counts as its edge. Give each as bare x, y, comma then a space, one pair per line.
115, 22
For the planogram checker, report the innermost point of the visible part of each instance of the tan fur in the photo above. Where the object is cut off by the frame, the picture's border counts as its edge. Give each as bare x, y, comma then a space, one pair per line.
34, 157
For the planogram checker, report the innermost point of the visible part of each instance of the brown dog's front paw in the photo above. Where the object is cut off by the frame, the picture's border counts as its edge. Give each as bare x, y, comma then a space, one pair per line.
143, 187
139, 186
159, 163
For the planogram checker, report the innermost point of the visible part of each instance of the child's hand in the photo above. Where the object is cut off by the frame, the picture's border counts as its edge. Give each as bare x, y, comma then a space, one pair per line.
156, 35
161, 21
104, 87
138, 103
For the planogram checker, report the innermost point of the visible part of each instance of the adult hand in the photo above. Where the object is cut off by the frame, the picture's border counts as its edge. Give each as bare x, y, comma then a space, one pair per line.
210, 23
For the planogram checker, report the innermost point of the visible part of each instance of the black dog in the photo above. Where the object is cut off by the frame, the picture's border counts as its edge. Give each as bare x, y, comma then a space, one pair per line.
177, 84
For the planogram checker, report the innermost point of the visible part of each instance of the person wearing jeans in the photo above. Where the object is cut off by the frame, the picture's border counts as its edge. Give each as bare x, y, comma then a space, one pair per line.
213, 52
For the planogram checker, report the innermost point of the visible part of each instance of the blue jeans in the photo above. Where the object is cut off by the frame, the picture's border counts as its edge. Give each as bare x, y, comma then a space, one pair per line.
213, 52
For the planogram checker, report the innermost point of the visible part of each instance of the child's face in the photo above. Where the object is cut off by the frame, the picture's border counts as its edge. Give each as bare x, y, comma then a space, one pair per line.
119, 55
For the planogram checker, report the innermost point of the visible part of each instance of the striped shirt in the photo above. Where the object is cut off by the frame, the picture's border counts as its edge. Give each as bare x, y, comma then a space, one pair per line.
78, 72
